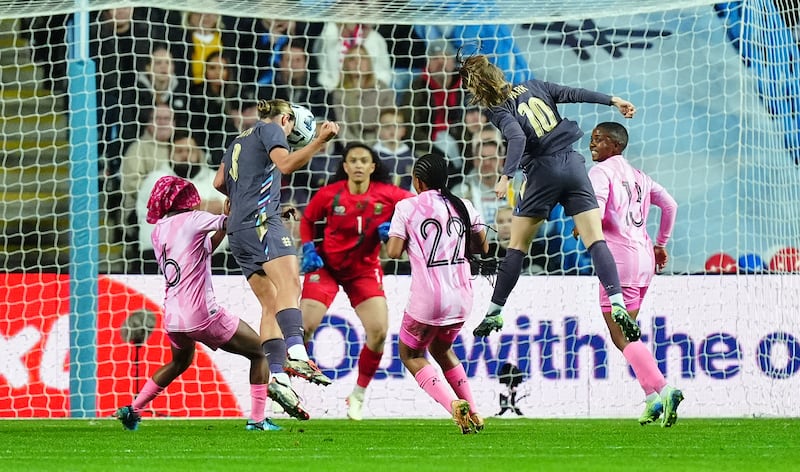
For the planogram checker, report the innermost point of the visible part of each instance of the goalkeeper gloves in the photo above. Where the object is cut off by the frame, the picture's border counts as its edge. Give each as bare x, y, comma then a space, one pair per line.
311, 260
383, 231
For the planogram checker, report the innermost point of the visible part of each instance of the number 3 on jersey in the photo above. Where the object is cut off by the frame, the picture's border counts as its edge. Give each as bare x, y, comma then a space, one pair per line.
234, 170
541, 117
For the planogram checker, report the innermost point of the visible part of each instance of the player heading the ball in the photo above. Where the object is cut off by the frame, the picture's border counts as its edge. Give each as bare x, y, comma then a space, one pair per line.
250, 174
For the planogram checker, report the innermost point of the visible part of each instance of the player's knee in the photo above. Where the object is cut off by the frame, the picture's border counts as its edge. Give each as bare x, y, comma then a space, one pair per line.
288, 285
180, 365
377, 336
256, 355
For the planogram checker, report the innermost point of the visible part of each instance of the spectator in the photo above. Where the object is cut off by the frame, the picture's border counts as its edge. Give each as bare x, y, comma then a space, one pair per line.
242, 112
533, 264
144, 155
476, 130
436, 101
193, 38
48, 40
296, 82
502, 230
262, 43
475, 121
395, 153
187, 160
117, 43
478, 185
359, 98
207, 104
337, 39
156, 83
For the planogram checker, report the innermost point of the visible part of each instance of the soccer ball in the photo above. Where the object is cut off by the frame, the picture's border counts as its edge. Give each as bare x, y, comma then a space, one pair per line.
304, 127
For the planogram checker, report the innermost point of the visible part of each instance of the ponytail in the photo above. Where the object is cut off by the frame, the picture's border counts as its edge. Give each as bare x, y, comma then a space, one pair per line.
273, 108
432, 170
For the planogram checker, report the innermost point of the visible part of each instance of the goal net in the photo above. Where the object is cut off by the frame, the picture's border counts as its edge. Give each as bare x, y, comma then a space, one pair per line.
98, 103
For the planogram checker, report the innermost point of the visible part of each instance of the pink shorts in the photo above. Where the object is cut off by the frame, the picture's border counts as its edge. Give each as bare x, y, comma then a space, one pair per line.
633, 297
218, 332
419, 336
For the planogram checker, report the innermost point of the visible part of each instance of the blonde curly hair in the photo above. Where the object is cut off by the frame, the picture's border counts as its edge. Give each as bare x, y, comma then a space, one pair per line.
485, 81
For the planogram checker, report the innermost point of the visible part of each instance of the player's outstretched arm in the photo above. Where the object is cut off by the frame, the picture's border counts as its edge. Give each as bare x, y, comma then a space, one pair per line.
625, 107
288, 162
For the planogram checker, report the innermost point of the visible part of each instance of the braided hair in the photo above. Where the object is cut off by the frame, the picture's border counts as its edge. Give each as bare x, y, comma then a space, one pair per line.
431, 169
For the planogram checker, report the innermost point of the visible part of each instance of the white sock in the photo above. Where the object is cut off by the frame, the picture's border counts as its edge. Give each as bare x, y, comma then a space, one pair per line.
617, 300
358, 392
298, 352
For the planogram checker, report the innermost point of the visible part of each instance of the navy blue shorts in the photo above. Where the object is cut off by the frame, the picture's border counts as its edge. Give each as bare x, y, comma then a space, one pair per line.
252, 247
558, 178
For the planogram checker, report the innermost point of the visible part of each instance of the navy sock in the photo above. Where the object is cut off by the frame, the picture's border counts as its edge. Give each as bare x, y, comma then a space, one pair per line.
291, 322
275, 350
507, 276
605, 267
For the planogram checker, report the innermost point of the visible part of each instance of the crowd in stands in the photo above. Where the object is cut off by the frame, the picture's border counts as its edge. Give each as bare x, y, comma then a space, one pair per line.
174, 89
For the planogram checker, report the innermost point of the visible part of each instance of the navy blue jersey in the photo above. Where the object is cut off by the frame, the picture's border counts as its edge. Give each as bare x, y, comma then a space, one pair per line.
531, 124
252, 179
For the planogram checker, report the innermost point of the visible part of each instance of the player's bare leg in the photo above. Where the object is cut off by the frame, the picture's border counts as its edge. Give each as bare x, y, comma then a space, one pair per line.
428, 379
284, 274
280, 388
130, 415
442, 352
246, 342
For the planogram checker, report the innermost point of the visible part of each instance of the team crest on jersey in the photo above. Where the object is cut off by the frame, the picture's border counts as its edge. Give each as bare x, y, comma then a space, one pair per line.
314, 278
286, 241
378, 208
338, 210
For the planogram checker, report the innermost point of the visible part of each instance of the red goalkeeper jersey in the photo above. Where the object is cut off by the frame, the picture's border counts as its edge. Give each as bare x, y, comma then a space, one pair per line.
349, 224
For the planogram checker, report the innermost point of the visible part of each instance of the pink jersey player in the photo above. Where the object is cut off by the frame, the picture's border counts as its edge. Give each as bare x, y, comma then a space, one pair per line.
183, 245
441, 281
624, 195
440, 232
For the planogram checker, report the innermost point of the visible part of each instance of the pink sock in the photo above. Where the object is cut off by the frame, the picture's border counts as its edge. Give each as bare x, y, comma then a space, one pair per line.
457, 379
644, 366
368, 362
148, 393
258, 402
429, 380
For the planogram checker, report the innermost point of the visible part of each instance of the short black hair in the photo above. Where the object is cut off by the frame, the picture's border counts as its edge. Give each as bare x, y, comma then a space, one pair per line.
617, 131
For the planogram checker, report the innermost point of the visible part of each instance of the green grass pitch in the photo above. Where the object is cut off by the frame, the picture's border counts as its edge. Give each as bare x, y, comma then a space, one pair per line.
400, 445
